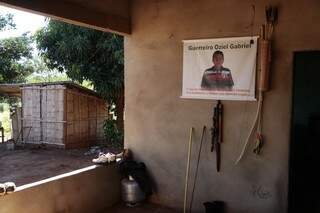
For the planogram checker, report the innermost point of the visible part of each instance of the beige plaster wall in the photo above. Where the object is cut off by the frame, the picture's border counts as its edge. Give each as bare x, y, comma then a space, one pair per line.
157, 121
92, 189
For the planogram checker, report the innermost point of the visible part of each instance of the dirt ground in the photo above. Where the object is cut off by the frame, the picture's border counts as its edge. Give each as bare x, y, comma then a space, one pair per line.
28, 165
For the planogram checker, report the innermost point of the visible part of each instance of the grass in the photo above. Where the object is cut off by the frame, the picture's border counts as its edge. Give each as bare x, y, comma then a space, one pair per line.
5, 119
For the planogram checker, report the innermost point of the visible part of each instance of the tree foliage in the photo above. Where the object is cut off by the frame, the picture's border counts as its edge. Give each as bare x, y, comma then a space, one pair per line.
15, 56
6, 22
85, 54
43, 74
112, 133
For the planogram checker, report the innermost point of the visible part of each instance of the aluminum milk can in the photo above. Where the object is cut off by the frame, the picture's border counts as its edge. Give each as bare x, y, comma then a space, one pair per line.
132, 194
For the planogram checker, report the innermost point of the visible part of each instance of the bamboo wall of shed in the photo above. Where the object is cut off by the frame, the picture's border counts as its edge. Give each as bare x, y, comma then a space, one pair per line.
42, 114
31, 114
85, 115
68, 117
52, 114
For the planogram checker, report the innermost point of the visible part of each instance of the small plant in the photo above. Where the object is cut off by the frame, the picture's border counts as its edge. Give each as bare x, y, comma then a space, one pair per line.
112, 134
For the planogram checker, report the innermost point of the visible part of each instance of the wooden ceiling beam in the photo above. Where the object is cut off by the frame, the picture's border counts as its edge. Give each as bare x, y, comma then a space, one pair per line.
73, 13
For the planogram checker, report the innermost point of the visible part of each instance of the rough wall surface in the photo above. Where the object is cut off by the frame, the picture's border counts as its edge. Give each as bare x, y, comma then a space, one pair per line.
157, 121
92, 190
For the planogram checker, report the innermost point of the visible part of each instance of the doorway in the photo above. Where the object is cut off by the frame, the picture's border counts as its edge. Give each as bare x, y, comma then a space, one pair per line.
304, 181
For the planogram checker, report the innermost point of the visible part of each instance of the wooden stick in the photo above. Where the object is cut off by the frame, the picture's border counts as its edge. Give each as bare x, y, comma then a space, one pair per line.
197, 167
187, 172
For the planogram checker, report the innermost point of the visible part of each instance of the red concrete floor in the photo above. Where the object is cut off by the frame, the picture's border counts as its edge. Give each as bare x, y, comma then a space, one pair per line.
144, 208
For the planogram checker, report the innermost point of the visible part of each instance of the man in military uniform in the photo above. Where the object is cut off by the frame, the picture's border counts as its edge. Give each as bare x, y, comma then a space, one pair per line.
217, 77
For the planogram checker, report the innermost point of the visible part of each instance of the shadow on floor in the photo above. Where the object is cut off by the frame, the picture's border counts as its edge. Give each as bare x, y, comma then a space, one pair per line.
144, 208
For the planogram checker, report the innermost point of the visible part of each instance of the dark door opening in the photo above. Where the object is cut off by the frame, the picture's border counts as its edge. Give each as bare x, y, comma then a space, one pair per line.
304, 178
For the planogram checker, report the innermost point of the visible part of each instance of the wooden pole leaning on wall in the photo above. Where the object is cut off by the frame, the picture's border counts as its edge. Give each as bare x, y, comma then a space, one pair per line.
187, 172
266, 32
265, 60
197, 168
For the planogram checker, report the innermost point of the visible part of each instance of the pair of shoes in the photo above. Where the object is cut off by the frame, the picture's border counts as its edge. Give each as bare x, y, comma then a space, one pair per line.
2, 189
119, 157
105, 158
7, 188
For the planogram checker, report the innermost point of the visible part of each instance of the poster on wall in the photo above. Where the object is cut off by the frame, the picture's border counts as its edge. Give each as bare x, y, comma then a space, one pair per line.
220, 69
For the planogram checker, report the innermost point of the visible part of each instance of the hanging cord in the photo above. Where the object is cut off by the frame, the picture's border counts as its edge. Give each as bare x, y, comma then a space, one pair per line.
259, 127
245, 119
252, 127
266, 36
259, 137
196, 173
187, 172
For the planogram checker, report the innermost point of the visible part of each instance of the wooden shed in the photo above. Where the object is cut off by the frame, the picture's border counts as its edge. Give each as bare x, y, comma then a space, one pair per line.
63, 114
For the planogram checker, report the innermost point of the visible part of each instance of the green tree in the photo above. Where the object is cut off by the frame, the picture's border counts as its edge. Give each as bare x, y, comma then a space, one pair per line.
6, 22
86, 54
15, 54
43, 74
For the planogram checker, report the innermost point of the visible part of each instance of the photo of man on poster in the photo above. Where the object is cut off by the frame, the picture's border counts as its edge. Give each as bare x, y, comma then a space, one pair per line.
217, 77
220, 68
